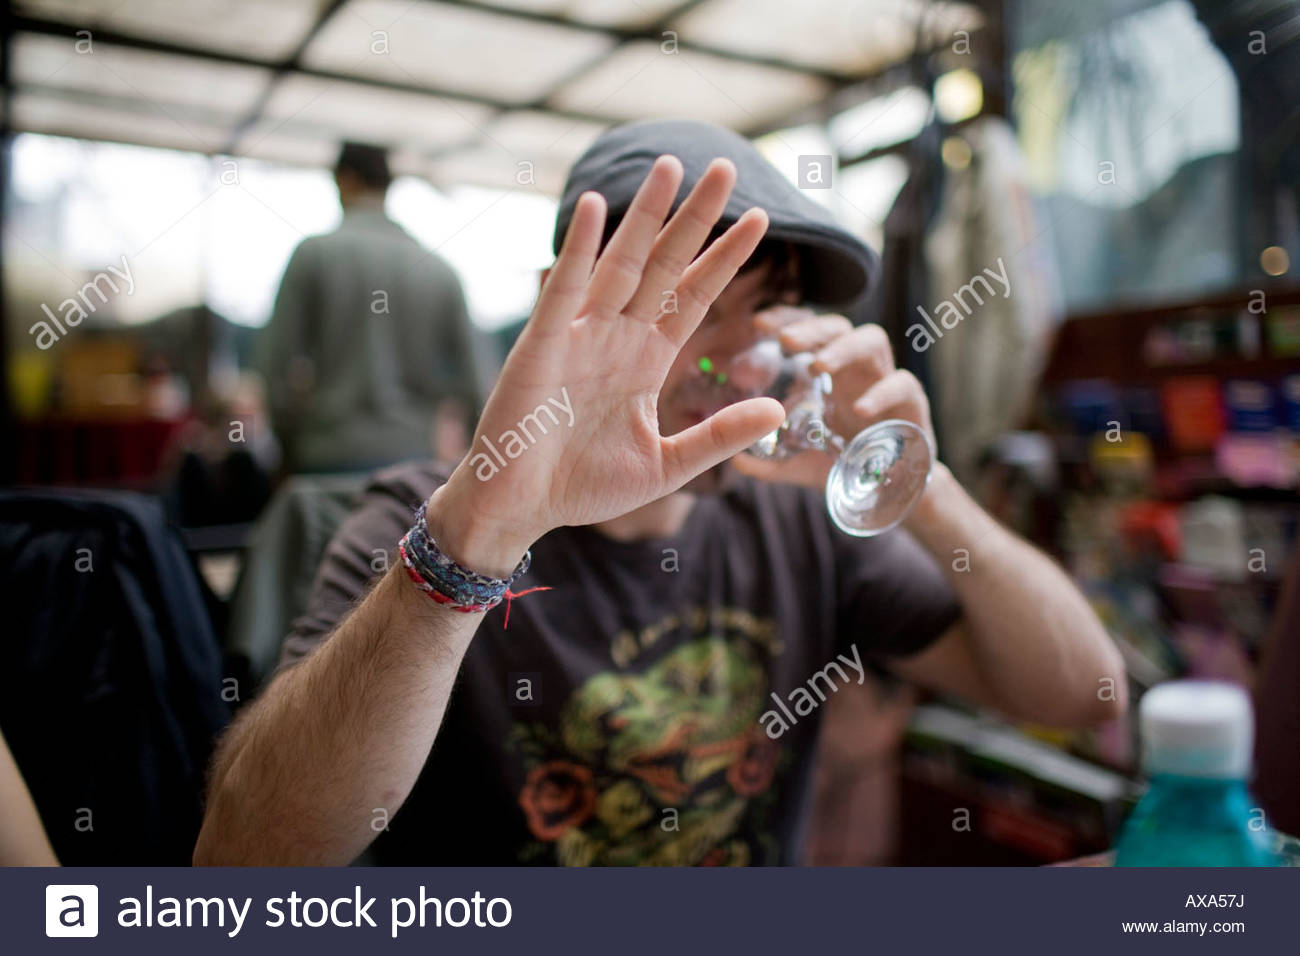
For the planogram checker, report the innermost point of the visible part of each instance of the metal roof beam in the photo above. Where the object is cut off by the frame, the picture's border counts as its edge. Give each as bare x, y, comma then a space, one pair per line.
69, 31
654, 33
291, 62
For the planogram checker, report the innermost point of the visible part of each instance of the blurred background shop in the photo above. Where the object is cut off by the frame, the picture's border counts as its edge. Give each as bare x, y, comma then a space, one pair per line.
1130, 168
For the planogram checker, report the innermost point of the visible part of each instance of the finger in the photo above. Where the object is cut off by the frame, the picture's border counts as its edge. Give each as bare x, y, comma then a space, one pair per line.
619, 268
566, 284
717, 438
813, 333
680, 241
897, 395
776, 317
707, 276
865, 350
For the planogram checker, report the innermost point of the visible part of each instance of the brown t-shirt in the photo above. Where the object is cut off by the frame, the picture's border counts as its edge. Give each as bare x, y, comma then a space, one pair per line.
660, 703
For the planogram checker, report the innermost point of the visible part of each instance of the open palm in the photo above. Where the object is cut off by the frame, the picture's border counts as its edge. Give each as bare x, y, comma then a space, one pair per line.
596, 351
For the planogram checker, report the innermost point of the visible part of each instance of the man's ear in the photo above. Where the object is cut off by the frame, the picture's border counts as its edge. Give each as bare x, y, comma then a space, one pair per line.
541, 281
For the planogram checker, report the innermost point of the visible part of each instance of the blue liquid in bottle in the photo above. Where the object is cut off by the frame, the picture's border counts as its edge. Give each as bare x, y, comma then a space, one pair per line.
1197, 738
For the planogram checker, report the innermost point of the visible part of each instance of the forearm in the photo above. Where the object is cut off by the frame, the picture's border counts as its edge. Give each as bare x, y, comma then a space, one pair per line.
1037, 644
300, 777
22, 837
337, 742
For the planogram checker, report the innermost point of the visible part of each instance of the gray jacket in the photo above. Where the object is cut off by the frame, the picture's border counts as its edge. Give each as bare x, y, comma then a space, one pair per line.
370, 332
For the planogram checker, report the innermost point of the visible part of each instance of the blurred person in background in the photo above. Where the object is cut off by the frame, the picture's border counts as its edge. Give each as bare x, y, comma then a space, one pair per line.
369, 338
218, 467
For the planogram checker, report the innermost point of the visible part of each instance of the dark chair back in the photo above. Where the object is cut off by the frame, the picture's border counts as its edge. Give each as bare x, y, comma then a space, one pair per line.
110, 674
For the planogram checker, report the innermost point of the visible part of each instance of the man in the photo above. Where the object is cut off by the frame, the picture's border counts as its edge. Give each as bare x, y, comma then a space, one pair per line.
659, 703
369, 335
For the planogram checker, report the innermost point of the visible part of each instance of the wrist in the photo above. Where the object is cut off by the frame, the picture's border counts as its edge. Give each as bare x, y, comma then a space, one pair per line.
932, 513
947, 519
470, 539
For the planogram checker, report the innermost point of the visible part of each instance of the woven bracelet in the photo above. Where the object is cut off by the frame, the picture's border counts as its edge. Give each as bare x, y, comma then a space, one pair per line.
450, 584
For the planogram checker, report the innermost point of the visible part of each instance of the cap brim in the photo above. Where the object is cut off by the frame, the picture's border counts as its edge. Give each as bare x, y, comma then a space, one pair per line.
835, 273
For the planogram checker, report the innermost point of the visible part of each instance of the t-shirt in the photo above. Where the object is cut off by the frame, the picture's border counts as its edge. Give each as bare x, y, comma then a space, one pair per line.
660, 704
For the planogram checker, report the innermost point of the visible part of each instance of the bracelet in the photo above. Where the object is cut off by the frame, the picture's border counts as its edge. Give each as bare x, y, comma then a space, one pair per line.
450, 584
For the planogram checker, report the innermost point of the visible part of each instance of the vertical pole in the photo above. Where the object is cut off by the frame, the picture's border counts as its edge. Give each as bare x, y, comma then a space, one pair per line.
8, 424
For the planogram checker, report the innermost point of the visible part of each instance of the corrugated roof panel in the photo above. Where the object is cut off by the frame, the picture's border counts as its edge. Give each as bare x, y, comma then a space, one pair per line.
314, 107
262, 29
488, 165
628, 14
641, 81
534, 135
524, 149
271, 140
849, 36
158, 79
60, 116
451, 49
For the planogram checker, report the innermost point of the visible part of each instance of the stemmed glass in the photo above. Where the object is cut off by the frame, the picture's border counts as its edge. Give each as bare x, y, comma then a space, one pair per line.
878, 476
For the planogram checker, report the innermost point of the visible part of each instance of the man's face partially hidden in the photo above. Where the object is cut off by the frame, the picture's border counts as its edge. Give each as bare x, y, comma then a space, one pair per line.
689, 396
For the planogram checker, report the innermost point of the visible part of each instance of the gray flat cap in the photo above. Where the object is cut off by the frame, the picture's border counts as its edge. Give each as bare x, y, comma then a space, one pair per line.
838, 267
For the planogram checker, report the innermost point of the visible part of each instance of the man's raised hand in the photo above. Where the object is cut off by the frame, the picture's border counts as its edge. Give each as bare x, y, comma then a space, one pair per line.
604, 333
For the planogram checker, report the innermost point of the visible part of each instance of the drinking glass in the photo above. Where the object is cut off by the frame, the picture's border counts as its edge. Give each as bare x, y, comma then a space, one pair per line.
878, 476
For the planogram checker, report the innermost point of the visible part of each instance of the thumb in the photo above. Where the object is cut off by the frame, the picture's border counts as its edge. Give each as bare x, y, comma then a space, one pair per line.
717, 438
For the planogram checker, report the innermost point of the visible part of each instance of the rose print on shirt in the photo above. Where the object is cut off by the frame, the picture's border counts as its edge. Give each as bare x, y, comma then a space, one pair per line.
665, 767
557, 796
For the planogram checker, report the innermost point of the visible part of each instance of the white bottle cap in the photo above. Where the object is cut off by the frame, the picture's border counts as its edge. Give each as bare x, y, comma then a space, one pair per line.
1197, 728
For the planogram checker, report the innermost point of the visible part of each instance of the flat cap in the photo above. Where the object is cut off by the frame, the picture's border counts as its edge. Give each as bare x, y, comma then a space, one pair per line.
838, 267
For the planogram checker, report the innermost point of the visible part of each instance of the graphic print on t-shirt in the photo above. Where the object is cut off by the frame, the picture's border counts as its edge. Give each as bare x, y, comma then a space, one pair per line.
664, 766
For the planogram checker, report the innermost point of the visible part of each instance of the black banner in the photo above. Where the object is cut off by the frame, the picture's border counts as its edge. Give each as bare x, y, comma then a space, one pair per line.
915, 911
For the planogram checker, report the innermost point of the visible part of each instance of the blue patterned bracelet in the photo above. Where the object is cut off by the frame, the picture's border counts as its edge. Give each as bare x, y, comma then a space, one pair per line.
452, 584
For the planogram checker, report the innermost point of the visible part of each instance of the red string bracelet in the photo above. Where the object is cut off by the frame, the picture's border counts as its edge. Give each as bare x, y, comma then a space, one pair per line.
419, 581
511, 595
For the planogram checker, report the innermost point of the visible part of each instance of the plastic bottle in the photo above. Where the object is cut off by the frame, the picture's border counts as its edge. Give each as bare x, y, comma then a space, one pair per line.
1197, 738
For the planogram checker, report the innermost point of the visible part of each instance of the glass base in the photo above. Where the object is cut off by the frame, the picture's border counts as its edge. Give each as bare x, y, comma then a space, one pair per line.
878, 479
